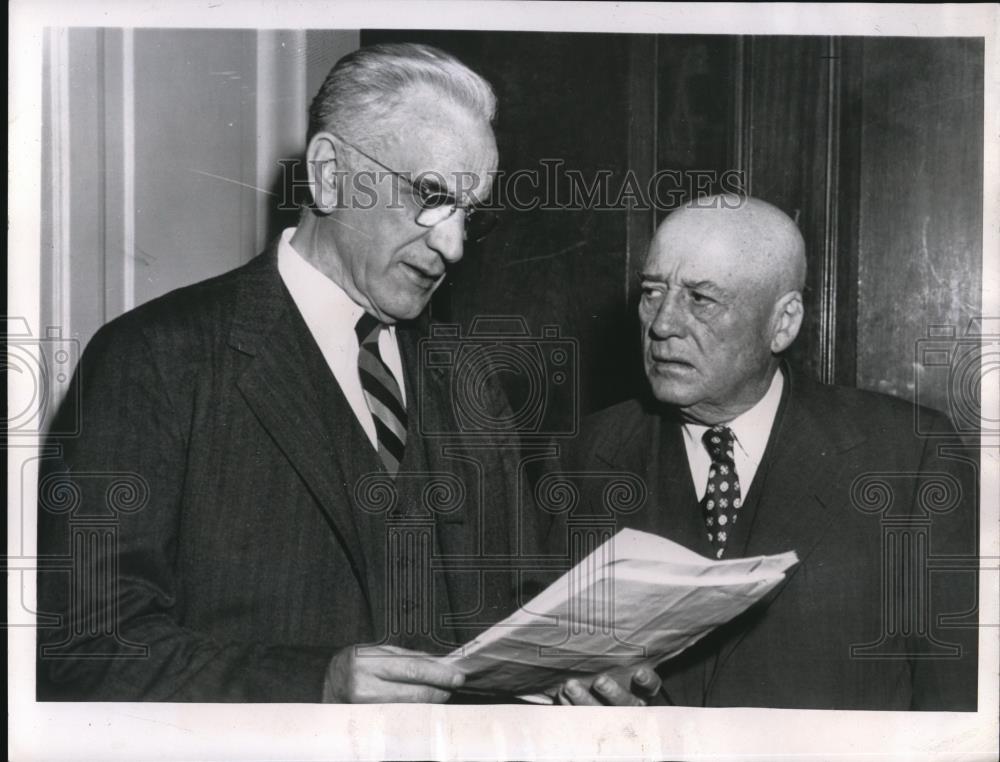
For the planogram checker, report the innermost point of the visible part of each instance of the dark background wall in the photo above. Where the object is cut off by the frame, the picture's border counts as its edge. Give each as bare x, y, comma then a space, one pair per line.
874, 145
562, 97
161, 154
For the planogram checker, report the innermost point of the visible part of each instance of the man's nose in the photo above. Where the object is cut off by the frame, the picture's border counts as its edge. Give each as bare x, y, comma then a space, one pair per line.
447, 238
670, 318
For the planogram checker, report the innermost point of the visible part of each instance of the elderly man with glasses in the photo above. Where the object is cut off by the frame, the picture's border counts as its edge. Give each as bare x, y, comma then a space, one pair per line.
293, 506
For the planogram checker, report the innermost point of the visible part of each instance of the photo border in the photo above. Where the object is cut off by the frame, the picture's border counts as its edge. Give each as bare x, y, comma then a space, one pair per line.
131, 731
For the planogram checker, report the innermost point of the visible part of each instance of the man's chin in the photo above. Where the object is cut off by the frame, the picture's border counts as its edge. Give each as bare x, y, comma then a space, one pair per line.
396, 313
405, 300
671, 391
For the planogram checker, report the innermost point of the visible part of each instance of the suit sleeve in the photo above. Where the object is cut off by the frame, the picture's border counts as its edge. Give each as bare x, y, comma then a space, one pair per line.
948, 493
109, 516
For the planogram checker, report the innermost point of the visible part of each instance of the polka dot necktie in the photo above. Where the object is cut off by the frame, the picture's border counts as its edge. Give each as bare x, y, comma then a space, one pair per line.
381, 393
721, 505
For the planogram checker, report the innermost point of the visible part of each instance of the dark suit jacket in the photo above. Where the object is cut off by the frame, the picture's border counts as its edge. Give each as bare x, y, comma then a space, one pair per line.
846, 484
222, 524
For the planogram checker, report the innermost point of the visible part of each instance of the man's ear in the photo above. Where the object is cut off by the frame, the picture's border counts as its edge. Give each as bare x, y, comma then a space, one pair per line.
321, 165
786, 321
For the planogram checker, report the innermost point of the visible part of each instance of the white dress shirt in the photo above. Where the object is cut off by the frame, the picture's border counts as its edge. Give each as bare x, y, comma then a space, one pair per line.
751, 429
331, 316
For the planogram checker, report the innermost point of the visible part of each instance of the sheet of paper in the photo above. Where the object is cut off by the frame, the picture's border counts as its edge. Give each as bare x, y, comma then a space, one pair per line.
637, 599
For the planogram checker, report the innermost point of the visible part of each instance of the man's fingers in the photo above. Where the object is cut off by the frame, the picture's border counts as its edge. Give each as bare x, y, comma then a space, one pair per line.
392, 692
646, 683
605, 690
367, 652
385, 674
376, 691
574, 693
612, 693
419, 670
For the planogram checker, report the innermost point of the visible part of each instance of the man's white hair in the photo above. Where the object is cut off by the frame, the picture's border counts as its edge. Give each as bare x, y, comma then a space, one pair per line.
363, 91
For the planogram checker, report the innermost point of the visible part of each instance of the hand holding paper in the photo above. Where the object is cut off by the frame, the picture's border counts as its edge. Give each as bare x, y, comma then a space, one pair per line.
636, 600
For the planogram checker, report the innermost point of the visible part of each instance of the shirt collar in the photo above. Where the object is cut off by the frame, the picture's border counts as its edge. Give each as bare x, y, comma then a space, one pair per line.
752, 428
321, 301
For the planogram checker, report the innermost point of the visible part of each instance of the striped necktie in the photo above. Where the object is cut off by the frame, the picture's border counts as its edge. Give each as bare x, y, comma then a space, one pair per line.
381, 393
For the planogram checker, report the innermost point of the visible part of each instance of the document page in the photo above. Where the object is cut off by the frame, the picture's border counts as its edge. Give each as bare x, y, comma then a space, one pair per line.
637, 599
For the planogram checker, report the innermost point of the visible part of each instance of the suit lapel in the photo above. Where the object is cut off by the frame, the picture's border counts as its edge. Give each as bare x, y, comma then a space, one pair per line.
278, 388
678, 501
429, 412
802, 467
650, 442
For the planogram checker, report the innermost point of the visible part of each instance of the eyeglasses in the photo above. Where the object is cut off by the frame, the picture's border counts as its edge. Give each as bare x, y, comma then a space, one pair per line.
437, 203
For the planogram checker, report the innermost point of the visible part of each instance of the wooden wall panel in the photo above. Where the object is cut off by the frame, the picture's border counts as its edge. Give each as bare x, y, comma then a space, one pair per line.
696, 77
152, 154
161, 152
563, 98
324, 47
281, 119
55, 237
83, 304
195, 199
787, 142
644, 107
920, 220
291, 66
873, 146
848, 210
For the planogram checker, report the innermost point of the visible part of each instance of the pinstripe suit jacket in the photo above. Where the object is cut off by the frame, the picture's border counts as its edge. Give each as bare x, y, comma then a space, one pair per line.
245, 557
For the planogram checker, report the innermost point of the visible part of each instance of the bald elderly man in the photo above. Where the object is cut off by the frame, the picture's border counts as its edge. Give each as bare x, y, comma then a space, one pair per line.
743, 456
